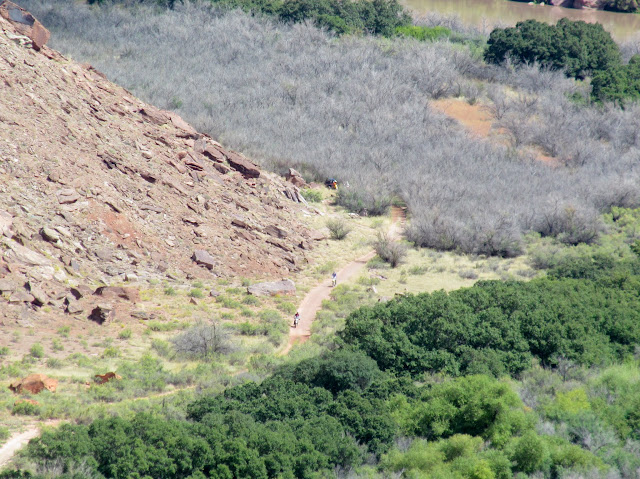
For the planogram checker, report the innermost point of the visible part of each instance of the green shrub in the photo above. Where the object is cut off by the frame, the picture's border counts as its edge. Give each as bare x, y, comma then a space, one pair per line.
251, 300
125, 333
377, 17
196, 293
338, 229
578, 48
54, 363
56, 345
164, 326
111, 352
81, 360
418, 270
311, 195
24, 408
36, 351
198, 284
4, 433
163, 348
619, 84
498, 327
170, 291
64, 331
228, 302
423, 33
4, 350
287, 307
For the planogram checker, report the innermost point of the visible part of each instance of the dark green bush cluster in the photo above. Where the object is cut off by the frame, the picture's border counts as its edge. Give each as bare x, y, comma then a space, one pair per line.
377, 17
622, 5
579, 48
620, 83
499, 327
285, 428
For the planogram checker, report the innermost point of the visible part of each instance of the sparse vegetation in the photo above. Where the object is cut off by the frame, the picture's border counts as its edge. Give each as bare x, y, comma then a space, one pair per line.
64, 331
125, 333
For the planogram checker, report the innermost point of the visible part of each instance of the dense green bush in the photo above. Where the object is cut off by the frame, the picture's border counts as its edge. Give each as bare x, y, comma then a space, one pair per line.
498, 327
578, 48
620, 84
377, 17
622, 5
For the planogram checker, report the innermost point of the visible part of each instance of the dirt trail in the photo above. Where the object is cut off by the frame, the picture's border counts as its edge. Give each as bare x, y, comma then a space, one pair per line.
312, 302
20, 439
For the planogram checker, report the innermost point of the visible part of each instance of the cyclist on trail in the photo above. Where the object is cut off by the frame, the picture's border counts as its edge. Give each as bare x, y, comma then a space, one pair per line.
296, 319
334, 279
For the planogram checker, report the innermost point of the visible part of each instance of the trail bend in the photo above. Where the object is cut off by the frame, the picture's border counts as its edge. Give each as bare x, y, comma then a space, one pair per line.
312, 302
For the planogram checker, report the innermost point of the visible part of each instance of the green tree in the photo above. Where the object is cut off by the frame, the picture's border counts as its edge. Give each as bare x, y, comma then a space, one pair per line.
578, 48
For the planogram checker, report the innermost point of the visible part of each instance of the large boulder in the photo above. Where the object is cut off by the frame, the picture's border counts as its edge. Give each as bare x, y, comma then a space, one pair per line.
24, 23
203, 258
102, 313
286, 286
34, 383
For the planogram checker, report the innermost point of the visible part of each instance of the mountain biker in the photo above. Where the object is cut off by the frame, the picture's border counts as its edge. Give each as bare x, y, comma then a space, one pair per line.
296, 319
334, 279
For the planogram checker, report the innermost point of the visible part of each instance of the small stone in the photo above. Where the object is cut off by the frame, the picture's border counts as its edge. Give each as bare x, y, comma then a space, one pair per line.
50, 234
67, 196
131, 277
214, 293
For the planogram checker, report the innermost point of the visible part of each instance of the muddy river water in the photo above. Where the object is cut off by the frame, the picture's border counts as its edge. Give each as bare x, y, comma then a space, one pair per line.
486, 13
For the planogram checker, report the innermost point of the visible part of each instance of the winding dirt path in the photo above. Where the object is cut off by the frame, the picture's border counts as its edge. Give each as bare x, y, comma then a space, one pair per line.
20, 439
312, 302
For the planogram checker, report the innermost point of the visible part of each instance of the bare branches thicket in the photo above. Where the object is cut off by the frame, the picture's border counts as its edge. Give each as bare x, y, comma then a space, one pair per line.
203, 340
358, 109
392, 252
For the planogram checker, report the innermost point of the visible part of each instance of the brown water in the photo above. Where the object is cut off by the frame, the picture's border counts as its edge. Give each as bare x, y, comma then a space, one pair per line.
486, 13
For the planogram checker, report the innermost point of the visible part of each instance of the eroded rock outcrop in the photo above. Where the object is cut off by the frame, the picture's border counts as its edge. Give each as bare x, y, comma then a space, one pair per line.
24, 24
34, 384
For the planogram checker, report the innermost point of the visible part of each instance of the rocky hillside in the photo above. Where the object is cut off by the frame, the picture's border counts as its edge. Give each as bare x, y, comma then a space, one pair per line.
99, 188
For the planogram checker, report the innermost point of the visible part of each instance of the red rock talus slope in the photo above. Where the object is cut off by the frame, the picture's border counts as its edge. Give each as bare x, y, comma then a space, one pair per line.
97, 186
